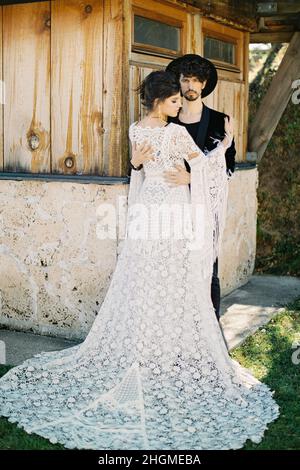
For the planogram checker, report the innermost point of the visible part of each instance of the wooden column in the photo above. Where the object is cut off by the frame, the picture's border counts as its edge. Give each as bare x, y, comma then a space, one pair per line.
246, 93
275, 100
116, 87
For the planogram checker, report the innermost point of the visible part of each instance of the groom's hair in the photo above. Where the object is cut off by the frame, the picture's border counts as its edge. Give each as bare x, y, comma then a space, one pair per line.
192, 68
158, 84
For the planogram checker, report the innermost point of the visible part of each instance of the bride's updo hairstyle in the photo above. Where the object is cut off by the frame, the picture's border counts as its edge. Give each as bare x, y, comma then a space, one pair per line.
157, 85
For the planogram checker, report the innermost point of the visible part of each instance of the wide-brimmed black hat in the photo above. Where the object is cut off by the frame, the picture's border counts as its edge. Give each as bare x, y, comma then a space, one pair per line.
176, 65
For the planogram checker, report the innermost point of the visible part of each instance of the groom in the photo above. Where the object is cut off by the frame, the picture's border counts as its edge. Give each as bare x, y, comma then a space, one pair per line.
198, 78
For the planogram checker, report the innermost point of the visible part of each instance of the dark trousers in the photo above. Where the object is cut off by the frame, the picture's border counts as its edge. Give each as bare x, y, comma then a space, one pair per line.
215, 290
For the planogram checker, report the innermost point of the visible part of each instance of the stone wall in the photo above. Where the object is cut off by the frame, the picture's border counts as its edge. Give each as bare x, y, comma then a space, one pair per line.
237, 257
54, 269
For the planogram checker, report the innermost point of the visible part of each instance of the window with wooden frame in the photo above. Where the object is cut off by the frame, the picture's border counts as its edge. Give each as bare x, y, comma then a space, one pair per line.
223, 46
156, 34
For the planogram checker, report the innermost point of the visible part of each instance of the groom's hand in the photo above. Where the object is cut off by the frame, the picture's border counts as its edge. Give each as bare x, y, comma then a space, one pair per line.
179, 177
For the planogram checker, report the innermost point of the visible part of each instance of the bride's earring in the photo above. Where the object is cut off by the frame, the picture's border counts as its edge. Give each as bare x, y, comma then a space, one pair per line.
160, 115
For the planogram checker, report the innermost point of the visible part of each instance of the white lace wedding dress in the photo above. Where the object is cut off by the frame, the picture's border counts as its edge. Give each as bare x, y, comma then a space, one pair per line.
154, 371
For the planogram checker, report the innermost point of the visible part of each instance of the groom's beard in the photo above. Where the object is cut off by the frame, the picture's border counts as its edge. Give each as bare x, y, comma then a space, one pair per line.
191, 96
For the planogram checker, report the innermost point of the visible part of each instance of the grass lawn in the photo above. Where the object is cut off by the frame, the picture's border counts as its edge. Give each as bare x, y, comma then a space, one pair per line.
268, 353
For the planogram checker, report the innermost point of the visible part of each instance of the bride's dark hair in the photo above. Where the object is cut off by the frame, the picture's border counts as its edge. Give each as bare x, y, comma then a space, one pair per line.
157, 85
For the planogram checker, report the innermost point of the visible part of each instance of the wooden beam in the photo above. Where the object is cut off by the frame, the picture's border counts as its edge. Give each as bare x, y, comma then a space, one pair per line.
12, 2
246, 92
276, 99
288, 18
240, 15
116, 39
271, 37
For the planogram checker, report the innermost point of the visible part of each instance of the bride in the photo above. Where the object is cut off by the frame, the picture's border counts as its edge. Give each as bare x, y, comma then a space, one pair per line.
154, 371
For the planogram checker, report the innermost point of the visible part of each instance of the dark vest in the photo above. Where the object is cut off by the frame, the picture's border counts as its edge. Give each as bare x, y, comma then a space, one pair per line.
211, 126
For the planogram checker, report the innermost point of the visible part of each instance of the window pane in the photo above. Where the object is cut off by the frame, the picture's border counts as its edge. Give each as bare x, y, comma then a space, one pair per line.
219, 50
155, 33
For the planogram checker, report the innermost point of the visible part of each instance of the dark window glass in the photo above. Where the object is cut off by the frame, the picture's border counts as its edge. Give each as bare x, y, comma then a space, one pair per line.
216, 49
157, 34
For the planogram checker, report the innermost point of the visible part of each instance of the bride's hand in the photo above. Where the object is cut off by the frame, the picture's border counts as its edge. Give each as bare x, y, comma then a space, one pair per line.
141, 153
228, 127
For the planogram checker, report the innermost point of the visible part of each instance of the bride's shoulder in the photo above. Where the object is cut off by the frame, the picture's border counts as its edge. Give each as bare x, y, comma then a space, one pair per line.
175, 126
177, 129
132, 129
133, 124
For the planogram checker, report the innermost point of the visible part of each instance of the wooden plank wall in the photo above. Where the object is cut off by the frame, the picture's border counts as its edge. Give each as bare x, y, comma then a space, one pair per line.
116, 87
26, 65
64, 89
69, 88
76, 86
